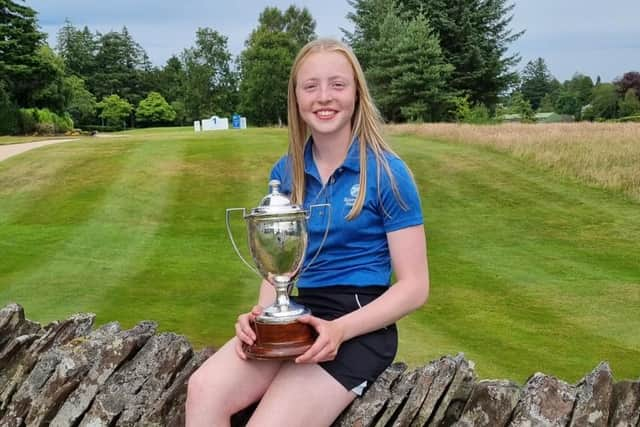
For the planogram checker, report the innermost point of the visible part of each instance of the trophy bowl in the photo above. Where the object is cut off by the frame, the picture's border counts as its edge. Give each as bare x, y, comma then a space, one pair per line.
277, 240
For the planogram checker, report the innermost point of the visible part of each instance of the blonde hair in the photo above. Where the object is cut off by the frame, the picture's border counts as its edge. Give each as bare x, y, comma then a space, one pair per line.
366, 124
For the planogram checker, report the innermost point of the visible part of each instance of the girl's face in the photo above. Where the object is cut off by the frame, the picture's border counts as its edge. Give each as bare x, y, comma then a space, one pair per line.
326, 93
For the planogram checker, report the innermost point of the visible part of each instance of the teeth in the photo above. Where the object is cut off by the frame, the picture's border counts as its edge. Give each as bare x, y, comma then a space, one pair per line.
325, 113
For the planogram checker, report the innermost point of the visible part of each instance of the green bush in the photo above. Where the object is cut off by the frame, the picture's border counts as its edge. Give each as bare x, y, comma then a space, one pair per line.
45, 128
63, 123
27, 120
471, 113
43, 122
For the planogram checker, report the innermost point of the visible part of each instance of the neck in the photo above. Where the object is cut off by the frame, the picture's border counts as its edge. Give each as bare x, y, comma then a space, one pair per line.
329, 152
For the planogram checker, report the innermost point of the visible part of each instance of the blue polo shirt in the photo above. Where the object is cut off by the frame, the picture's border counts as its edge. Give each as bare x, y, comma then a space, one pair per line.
355, 252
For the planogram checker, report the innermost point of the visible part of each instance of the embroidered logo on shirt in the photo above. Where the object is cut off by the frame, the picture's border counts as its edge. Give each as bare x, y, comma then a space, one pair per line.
349, 201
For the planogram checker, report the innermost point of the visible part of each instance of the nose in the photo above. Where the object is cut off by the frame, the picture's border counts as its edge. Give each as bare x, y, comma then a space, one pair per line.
325, 93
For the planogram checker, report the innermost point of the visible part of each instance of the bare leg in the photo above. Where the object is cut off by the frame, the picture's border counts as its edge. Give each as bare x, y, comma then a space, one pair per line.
301, 395
224, 385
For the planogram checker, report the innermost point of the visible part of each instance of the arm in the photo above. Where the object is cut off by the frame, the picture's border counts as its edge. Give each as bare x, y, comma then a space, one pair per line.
409, 260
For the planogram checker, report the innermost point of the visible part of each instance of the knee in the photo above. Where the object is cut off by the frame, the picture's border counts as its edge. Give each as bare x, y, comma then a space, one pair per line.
197, 386
203, 391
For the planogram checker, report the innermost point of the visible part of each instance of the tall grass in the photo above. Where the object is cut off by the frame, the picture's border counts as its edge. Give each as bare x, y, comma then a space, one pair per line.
606, 155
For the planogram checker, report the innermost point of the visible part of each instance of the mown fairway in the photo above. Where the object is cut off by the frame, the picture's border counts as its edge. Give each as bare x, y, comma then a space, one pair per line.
529, 271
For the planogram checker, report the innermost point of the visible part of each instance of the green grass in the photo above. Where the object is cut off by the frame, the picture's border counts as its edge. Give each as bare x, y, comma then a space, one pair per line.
529, 271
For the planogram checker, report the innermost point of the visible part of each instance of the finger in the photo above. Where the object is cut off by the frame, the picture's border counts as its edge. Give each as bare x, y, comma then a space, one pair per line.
308, 319
245, 333
313, 351
240, 350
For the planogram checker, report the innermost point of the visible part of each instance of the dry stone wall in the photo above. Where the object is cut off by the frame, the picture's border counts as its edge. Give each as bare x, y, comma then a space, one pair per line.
69, 373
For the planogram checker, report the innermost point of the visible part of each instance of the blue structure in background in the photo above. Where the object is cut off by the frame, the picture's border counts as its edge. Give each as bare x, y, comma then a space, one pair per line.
235, 121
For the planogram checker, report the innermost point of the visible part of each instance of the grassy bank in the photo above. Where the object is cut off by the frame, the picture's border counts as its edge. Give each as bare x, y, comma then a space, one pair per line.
606, 155
530, 271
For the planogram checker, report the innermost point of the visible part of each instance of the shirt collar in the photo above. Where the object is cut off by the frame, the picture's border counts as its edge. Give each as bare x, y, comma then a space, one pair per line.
351, 161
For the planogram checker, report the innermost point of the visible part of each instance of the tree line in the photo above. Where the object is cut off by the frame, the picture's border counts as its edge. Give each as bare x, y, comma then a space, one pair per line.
425, 60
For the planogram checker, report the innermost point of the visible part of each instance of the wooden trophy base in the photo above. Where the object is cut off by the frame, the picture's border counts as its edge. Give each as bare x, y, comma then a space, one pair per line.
280, 341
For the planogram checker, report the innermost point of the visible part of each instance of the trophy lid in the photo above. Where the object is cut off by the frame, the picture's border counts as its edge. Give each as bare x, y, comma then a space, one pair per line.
276, 202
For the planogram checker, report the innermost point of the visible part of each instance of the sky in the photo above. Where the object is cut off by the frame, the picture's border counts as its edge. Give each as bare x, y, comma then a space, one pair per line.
592, 37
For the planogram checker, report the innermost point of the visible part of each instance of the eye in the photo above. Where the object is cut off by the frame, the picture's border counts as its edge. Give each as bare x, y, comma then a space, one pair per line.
309, 86
339, 85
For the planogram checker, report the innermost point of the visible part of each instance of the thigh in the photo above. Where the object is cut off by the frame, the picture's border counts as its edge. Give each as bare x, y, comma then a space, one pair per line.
301, 395
237, 382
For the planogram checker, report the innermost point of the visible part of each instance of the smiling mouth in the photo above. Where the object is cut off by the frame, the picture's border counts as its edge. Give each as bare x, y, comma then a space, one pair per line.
325, 114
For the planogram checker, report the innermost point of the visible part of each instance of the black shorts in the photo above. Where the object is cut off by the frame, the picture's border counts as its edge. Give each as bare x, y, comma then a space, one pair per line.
362, 359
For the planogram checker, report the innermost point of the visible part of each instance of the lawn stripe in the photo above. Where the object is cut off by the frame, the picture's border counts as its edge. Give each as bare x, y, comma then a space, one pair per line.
44, 195
107, 247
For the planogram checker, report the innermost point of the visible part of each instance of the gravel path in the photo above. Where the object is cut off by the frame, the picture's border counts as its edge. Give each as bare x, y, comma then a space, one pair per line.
7, 151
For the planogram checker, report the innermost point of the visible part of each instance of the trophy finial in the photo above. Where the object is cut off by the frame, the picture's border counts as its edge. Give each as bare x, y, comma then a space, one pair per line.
275, 186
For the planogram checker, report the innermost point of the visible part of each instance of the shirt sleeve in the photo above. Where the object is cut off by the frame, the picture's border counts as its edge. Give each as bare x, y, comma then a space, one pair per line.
280, 171
403, 208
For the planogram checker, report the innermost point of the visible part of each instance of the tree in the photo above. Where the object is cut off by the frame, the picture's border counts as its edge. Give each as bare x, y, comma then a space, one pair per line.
604, 103
629, 80
367, 18
536, 82
119, 64
474, 36
567, 103
181, 113
573, 95
547, 105
581, 87
78, 50
171, 80
115, 110
8, 112
82, 103
154, 110
20, 39
53, 92
629, 105
474, 114
209, 82
299, 25
266, 62
407, 72
521, 106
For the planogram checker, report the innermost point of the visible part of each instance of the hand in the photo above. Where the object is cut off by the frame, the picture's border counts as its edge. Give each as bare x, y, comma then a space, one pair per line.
325, 348
244, 331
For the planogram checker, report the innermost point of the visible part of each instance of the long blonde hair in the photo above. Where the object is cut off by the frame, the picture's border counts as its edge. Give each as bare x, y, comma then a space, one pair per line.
366, 124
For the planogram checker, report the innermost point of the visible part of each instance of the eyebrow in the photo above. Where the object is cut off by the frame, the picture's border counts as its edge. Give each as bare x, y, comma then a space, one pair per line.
334, 77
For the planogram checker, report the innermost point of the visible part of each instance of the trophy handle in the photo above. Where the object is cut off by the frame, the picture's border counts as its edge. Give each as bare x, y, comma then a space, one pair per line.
233, 242
326, 232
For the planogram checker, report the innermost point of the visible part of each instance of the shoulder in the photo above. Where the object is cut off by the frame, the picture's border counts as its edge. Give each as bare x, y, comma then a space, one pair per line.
280, 167
282, 172
391, 164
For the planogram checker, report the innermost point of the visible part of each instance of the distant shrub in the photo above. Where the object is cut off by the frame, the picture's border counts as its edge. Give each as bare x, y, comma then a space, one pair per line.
471, 113
45, 129
63, 123
43, 122
27, 120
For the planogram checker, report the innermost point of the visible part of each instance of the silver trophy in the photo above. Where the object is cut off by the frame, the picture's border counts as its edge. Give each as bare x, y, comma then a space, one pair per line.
277, 240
